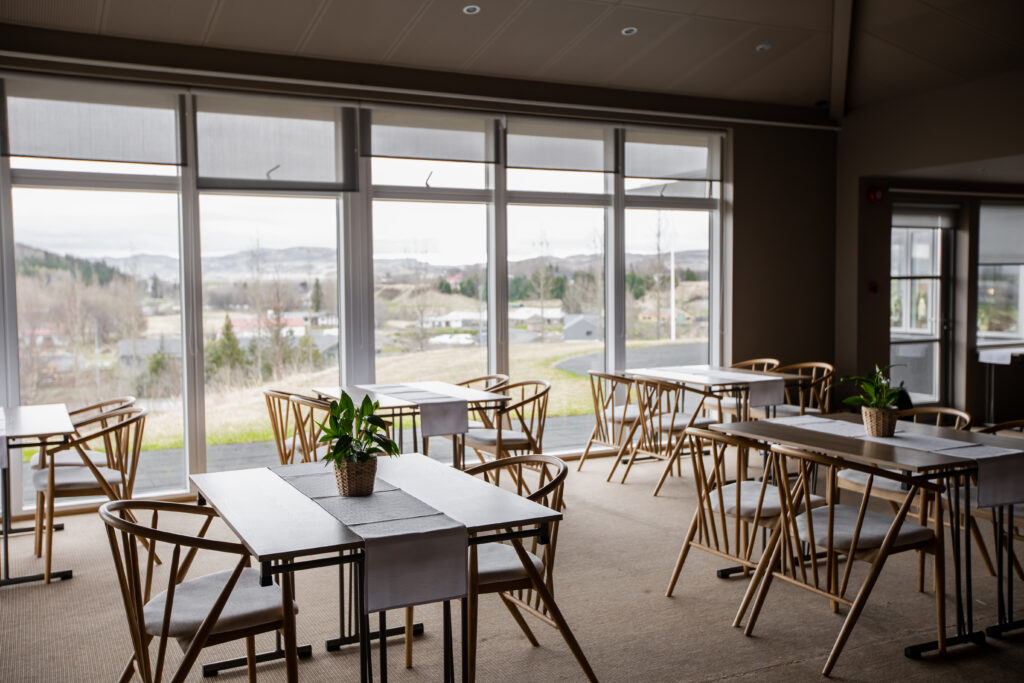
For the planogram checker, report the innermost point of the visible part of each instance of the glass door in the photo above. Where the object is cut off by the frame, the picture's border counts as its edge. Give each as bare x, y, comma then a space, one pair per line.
919, 313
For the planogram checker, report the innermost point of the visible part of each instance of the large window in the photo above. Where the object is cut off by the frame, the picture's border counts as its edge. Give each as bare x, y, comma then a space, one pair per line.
1000, 274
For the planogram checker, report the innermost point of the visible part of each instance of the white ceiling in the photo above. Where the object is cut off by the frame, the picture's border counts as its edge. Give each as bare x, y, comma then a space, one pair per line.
703, 48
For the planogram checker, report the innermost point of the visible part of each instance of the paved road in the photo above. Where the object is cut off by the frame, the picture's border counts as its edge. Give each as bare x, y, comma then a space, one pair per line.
680, 353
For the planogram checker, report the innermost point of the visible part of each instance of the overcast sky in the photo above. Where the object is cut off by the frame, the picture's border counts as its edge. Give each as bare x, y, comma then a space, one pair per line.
94, 224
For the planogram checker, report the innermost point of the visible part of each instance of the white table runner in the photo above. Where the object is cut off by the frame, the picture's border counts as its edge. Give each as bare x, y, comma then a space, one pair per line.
413, 554
440, 414
1000, 470
764, 390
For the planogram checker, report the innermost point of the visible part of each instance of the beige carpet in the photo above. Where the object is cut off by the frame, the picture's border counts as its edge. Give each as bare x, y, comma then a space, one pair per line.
616, 549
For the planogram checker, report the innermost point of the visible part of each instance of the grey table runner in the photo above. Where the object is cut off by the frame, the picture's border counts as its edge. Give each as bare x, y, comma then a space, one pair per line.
1000, 470
413, 553
440, 414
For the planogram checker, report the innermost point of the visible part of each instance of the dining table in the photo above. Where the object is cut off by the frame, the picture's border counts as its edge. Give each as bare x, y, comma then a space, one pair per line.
958, 458
442, 408
286, 528
31, 426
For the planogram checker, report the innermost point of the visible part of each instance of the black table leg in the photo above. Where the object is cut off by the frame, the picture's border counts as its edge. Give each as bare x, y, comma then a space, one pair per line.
5, 578
449, 663
1004, 530
383, 628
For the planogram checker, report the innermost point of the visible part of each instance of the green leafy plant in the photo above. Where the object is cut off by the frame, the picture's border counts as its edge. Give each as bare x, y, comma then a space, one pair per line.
355, 434
876, 390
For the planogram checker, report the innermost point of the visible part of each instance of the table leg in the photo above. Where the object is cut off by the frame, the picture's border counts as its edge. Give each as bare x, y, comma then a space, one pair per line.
1003, 528
290, 654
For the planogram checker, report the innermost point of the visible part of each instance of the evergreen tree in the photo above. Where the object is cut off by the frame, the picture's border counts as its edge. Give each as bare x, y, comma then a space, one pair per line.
317, 298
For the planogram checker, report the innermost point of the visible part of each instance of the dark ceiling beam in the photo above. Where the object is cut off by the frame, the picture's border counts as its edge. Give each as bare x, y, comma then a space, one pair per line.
842, 30
31, 49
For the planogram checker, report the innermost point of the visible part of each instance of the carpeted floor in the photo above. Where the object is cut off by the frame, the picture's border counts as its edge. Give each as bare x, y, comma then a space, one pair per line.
616, 549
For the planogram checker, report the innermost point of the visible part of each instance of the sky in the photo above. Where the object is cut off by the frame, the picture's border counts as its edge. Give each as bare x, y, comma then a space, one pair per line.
94, 224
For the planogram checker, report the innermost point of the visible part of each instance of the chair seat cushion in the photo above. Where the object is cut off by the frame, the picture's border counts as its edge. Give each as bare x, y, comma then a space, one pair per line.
249, 605
70, 458
627, 415
860, 480
78, 478
750, 492
872, 532
498, 563
488, 437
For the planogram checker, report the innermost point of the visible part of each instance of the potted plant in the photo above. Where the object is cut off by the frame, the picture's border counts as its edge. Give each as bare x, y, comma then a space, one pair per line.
355, 437
877, 401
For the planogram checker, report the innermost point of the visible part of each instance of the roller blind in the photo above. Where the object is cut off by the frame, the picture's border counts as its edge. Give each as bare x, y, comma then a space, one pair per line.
560, 145
667, 154
442, 136
262, 142
91, 121
1001, 235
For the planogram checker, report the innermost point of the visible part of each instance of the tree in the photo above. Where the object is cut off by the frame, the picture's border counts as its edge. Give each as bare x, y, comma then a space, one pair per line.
519, 288
316, 299
469, 287
444, 286
226, 353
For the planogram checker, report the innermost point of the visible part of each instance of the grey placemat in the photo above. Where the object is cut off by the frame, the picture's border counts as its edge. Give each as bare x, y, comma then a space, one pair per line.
380, 506
324, 484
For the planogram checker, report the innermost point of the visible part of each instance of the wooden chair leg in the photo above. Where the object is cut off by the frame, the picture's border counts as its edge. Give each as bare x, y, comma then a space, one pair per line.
586, 450
250, 657
664, 475
767, 565
408, 636
518, 616
40, 503
854, 613
682, 555
629, 465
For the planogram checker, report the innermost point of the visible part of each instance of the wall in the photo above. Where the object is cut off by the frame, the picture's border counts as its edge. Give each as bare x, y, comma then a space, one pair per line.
783, 232
967, 135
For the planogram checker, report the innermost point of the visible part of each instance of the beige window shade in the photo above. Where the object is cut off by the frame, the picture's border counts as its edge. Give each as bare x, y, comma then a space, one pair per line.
437, 135
560, 145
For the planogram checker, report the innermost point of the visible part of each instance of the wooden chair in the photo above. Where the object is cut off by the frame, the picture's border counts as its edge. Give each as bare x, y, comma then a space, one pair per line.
83, 421
286, 437
814, 395
197, 612
481, 417
729, 403
501, 567
729, 510
114, 478
518, 426
309, 413
843, 533
939, 416
1015, 427
614, 412
658, 432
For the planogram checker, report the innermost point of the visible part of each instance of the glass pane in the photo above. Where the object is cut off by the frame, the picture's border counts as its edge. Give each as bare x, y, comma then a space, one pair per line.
924, 252
671, 154
80, 166
93, 121
655, 187
556, 310
898, 308
898, 252
424, 134
428, 173
916, 365
99, 312
270, 314
257, 139
667, 293
532, 180
1000, 292
430, 291
560, 145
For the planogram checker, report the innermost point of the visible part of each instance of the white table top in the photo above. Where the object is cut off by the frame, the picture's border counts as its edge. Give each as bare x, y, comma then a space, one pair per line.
36, 422
712, 376
378, 393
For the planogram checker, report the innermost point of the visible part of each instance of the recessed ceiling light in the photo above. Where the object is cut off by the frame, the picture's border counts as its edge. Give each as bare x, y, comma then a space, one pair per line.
630, 31
471, 9
763, 47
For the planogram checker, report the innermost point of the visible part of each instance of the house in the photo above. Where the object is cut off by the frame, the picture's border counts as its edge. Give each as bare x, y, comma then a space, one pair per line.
582, 327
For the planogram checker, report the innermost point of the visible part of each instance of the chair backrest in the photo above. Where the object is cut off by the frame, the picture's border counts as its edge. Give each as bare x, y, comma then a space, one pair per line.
1010, 426
613, 395
309, 414
758, 364
281, 413
816, 392
938, 415
86, 413
662, 415
493, 383
824, 527
135, 574
540, 478
118, 434
527, 412
720, 526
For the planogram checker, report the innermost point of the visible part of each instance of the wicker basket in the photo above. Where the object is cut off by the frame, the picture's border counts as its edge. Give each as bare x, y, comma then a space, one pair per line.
879, 421
356, 478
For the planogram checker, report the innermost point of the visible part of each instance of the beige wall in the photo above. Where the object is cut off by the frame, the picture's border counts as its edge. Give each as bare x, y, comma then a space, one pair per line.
783, 230
967, 134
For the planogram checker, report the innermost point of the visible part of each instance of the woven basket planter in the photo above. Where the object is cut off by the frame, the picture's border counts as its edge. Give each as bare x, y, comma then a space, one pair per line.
879, 421
356, 478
